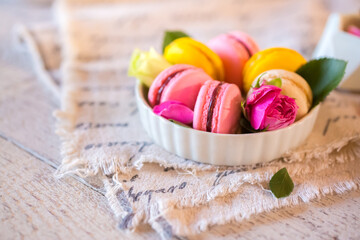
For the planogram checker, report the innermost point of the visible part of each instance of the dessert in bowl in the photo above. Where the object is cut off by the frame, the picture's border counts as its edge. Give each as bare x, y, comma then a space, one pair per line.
221, 149
196, 111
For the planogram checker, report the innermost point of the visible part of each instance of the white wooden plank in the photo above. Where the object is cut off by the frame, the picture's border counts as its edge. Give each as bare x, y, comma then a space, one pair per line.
35, 205
26, 113
25, 105
332, 217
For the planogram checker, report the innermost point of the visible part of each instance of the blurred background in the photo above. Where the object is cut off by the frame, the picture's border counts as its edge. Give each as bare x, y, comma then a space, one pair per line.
109, 30
288, 23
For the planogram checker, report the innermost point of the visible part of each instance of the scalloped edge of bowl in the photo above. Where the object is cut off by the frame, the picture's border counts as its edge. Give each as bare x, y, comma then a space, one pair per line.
222, 149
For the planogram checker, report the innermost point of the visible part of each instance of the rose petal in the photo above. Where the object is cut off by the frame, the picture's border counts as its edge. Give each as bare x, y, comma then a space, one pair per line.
259, 93
174, 110
260, 110
258, 102
282, 113
267, 108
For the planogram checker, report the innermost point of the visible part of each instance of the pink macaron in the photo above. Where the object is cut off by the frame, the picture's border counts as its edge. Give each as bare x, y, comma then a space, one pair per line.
218, 107
234, 49
180, 82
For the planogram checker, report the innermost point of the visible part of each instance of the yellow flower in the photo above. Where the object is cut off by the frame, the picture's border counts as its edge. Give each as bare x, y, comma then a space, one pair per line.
145, 66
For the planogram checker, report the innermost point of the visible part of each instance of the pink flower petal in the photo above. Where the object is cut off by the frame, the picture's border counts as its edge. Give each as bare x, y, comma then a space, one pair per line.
282, 113
174, 110
258, 103
267, 108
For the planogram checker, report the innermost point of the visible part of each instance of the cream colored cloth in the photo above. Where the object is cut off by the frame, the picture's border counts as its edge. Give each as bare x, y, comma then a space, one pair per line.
103, 140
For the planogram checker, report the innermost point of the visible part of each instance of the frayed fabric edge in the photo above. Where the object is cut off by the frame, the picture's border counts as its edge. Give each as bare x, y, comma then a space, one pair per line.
23, 37
311, 193
237, 217
257, 178
113, 166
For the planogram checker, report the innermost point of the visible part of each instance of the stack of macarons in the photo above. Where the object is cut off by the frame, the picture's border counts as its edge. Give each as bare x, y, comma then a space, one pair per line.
211, 79
223, 58
216, 104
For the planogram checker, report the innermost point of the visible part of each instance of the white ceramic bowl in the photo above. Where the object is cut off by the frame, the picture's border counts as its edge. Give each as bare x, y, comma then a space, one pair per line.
222, 149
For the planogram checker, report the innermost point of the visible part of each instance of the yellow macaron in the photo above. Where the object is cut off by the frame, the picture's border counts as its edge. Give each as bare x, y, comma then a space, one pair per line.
189, 51
271, 58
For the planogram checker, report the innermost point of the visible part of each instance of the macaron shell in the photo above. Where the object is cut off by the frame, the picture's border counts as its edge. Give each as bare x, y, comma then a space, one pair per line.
233, 57
256, 57
290, 89
233, 53
273, 58
202, 104
247, 40
161, 78
189, 51
226, 111
185, 87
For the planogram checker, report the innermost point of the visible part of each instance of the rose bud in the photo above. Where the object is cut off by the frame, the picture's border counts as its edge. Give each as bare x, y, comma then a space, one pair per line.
174, 110
267, 109
145, 66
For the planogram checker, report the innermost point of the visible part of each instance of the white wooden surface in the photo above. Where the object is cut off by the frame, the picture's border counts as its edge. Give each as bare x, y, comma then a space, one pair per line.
34, 205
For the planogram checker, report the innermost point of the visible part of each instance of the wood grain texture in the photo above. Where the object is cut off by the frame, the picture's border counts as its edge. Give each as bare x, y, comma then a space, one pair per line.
26, 113
34, 205
332, 217
25, 105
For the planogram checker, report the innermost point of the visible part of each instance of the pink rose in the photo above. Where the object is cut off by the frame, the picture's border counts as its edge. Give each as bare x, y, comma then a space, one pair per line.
174, 110
267, 109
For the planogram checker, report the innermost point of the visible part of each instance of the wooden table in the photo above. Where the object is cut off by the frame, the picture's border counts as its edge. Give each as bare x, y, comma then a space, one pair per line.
35, 205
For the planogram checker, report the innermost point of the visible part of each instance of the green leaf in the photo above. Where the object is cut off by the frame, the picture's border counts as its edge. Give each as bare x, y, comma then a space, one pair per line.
179, 123
281, 184
170, 36
275, 82
246, 125
257, 85
243, 105
323, 75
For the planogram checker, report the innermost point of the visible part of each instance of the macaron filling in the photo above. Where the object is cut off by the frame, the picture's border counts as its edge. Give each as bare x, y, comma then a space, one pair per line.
242, 43
165, 83
211, 107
